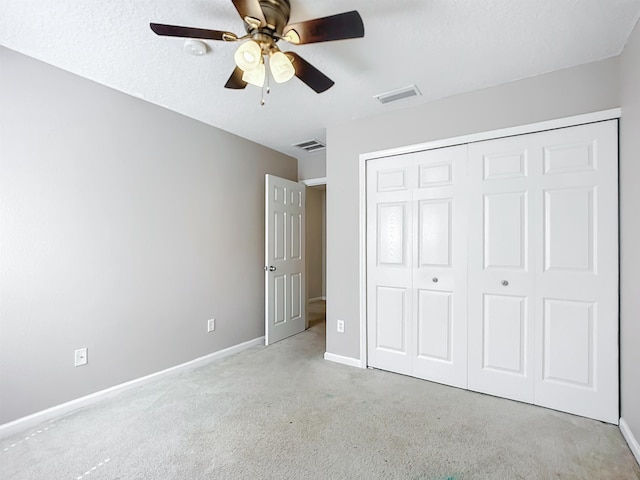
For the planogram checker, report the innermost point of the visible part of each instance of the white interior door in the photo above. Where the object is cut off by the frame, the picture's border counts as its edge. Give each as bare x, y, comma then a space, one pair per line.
389, 264
502, 225
416, 265
503, 280
285, 282
577, 272
440, 266
543, 269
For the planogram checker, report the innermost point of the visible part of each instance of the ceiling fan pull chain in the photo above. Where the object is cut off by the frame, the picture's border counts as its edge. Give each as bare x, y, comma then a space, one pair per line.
268, 83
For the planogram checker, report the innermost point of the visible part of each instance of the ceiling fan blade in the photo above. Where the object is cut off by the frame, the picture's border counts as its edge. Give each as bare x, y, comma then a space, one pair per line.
235, 80
251, 9
190, 32
309, 74
336, 27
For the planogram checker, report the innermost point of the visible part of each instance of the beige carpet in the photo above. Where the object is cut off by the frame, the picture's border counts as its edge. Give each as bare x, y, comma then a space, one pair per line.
283, 412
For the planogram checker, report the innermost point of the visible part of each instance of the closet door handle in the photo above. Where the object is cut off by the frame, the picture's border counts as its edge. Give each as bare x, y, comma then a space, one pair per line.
505, 283
435, 279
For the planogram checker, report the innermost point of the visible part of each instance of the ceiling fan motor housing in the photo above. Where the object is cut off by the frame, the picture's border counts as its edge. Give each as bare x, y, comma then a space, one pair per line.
276, 13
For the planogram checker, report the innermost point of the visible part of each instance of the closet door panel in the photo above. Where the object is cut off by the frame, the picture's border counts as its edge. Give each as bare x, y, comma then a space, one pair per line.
435, 233
440, 270
392, 319
570, 218
494, 266
435, 325
577, 272
546, 239
568, 326
390, 264
504, 334
501, 291
505, 231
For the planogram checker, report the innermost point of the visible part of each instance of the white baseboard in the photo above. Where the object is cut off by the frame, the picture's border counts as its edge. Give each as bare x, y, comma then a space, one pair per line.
317, 299
37, 418
352, 362
630, 438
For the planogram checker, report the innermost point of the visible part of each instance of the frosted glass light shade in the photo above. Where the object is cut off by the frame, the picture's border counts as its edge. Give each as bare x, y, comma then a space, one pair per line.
281, 67
255, 76
248, 56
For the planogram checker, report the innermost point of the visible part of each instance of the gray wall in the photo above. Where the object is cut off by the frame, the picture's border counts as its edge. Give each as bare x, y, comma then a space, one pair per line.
573, 91
312, 165
124, 227
314, 242
630, 232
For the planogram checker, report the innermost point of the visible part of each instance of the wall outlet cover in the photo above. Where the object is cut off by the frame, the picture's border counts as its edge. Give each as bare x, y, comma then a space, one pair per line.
81, 357
211, 325
340, 326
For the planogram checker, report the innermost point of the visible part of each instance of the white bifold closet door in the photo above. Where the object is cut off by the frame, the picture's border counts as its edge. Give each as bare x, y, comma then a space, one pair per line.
493, 266
416, 265
543, 269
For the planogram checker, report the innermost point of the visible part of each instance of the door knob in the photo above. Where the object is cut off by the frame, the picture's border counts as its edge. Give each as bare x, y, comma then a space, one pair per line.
270, 269
505, 283
435, 279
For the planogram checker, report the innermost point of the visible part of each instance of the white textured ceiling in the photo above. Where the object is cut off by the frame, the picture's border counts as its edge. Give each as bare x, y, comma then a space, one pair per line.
443, 46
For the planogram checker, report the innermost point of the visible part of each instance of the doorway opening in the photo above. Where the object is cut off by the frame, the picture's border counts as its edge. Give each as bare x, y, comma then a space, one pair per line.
316, 256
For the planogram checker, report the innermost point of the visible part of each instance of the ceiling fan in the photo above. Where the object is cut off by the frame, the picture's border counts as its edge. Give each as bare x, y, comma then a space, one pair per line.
266, 23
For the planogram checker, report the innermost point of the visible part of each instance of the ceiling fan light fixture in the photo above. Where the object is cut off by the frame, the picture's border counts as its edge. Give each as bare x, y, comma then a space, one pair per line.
281, 67
248, 56
256, 76
292, 37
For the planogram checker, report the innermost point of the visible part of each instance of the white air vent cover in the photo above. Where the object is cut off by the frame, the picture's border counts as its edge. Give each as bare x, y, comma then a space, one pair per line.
399, 94
311, 146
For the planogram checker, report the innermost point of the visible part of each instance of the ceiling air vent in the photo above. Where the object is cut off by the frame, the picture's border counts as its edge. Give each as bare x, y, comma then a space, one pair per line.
311, 146
399, 94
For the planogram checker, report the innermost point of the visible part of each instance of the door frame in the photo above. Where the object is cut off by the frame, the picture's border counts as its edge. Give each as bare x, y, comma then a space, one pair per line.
611, 114
314, 182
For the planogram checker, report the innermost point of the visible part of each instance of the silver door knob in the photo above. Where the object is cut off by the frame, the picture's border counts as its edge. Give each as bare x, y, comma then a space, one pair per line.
271, 268
435, 279
505, 283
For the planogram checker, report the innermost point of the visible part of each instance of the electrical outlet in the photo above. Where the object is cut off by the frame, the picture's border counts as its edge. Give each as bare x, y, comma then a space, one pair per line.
340, 326
211, 325
81, 357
